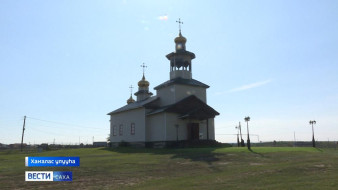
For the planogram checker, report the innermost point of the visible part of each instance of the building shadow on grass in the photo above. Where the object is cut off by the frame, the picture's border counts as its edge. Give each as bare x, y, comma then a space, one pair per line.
257, 153
205, 154
318, 149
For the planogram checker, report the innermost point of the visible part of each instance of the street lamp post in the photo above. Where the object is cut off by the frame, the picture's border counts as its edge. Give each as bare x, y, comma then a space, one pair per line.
240, 132
238, 144
247, 119
313, 133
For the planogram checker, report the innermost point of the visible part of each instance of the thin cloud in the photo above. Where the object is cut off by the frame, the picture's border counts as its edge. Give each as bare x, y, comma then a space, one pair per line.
249, 86
246, 87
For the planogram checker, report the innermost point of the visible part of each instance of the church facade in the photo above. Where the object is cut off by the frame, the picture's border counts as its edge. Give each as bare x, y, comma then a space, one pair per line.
178, 112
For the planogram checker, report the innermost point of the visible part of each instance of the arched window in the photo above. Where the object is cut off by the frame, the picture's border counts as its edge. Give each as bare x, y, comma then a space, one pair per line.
132, 128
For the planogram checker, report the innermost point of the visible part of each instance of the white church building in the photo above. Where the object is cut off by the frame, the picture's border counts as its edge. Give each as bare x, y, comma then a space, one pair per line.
178, 112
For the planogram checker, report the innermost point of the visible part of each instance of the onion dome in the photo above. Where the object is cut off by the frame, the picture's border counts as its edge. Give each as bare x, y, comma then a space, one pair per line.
143, 82
130, 100
180, 39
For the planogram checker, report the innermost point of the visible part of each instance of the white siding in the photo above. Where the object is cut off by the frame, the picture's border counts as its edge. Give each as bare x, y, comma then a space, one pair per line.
136, 116
212, 129
183, 91
172, 120
174, 93
167, 95
156, 127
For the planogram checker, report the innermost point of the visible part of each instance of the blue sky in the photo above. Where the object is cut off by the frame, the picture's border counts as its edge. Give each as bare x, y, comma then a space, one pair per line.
71, 62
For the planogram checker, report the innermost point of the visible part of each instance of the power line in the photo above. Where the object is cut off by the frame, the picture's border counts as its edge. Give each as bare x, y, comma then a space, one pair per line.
243, 134
47, 132
236, 134
65, 124
41, 126
10, 120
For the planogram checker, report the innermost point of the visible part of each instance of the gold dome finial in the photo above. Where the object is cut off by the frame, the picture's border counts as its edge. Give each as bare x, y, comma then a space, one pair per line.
131, 100
143, 82
180, 38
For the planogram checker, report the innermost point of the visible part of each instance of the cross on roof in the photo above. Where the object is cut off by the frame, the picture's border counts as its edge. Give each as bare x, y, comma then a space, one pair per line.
143, 67
131, 89
179, 23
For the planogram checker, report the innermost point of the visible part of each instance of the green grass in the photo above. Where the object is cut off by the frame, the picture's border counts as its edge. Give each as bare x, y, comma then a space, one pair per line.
194, 168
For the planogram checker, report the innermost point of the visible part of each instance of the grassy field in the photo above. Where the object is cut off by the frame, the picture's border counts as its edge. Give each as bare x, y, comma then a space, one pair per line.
194, 168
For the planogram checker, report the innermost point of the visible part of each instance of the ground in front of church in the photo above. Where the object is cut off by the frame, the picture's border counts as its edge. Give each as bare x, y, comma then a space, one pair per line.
190, 168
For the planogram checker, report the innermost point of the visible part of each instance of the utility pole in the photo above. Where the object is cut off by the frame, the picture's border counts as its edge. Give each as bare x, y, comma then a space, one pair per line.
23, 131
238, 143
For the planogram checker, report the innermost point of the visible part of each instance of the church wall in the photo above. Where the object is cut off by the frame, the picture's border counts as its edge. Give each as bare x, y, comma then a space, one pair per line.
183, 91
167, 95
180, 73
155, 127
125, 119
174, 93
172, 120
203, 129
212, 129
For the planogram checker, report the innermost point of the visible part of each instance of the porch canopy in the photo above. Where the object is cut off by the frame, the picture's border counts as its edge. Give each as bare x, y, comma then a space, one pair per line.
192, 107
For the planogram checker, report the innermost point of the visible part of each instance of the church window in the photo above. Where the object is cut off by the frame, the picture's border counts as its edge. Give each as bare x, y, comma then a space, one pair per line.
132, 129
121, 130
114, 130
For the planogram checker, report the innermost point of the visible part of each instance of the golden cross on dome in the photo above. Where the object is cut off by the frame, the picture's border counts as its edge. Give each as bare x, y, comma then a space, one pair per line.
143, 67
179, 23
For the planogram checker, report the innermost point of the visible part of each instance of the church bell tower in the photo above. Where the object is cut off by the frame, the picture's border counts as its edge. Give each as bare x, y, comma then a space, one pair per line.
180, 60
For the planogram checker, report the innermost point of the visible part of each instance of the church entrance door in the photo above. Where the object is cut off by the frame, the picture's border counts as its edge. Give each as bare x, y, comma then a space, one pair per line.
193, 131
